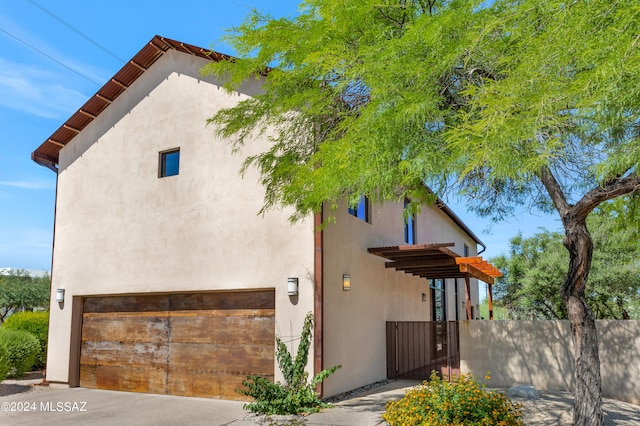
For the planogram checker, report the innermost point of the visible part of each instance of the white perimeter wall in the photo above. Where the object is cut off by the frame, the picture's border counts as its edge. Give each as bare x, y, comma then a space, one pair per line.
540, 353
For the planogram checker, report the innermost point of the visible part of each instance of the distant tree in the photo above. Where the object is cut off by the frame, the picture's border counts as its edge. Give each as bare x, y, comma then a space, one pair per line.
508, 103
21, 291
536, 266
532, 273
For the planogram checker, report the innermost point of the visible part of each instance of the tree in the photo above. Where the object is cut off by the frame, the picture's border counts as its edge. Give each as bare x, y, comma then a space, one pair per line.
535, 268
21, 291
509, 103
532, 274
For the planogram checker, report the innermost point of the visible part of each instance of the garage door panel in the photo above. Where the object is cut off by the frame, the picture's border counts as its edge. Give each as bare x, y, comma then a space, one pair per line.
131, 379
88, 376
119, 353
255, 327
224, 301
216, 383
201, 357
138, 304
125, 328
183, 344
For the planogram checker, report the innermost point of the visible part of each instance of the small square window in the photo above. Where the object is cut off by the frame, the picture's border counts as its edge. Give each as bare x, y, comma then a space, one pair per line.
169, 163
361, 211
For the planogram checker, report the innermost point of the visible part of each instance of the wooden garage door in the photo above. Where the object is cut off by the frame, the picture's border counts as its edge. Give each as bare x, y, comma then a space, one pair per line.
201, 344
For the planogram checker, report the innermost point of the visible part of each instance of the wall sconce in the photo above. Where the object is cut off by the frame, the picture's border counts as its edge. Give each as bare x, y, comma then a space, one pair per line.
424, 297
60, 295
292, 286
346, 282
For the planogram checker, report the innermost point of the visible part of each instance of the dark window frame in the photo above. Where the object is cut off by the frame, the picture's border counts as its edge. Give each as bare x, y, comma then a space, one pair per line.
362, 210
166, 167
409, 227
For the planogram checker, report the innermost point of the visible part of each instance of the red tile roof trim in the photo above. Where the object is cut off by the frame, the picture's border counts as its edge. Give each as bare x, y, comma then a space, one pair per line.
47, 153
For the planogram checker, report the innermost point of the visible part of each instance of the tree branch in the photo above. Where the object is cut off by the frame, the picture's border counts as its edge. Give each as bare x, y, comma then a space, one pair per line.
555, 191
611, 189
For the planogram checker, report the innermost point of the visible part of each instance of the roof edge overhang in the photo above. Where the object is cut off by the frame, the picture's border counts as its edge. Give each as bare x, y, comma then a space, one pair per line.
456, 219
45, 161
47, 154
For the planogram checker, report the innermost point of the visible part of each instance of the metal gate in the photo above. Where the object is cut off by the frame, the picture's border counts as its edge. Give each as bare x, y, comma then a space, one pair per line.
415, 348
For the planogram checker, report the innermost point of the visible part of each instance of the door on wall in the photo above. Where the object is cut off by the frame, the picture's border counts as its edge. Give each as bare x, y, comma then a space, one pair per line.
192, 344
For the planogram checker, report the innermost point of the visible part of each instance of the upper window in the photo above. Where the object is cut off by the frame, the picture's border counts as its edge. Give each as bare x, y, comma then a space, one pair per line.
409, 227
361, 211
466, 250
169, 163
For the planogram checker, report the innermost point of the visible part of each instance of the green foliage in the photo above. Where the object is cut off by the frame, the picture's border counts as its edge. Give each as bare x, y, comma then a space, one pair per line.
535, 268
19, 290
509, 103
36, 323
4, 363
464, 95
296, 395
499, 312
532, 274
22, 348
464, 401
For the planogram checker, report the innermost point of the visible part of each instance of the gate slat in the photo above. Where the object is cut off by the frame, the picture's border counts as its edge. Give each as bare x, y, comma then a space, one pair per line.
412, 349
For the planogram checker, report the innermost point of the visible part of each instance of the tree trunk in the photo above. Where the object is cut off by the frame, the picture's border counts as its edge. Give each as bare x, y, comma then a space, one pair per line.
588, 388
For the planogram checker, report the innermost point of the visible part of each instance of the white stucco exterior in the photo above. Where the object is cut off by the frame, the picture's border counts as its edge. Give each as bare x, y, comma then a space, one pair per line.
354, 321
120, 229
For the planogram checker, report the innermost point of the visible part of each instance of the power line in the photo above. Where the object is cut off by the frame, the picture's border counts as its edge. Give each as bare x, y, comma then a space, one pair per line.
50, 57
77, 31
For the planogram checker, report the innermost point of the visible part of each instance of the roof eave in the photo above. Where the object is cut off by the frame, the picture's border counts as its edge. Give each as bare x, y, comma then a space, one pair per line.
456, 219
47, 153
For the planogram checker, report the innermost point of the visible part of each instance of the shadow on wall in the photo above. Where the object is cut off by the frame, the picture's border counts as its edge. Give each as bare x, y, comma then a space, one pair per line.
541, 353
619, 345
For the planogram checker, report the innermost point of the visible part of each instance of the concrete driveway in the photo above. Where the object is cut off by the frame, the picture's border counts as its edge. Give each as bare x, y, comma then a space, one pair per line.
25, 404
78, 406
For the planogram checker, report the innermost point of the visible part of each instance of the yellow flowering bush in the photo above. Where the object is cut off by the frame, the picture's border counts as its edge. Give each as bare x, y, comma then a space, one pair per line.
464, 401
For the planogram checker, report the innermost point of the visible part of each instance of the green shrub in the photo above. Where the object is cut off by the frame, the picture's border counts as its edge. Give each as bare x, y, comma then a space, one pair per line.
462, 402
36, 323
4, 363
22, 348
296, 395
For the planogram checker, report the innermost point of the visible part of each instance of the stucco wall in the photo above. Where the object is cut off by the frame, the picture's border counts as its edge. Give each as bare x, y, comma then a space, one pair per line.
541, 353
120, 229
354, 321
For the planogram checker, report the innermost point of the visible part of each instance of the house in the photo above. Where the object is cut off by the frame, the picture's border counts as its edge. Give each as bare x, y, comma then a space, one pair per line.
166, 280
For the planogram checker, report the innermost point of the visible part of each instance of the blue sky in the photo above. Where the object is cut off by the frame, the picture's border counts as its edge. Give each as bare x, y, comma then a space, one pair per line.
55, 54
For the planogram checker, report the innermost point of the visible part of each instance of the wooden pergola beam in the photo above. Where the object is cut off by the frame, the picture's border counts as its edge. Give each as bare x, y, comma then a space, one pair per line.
419, 263
476, 273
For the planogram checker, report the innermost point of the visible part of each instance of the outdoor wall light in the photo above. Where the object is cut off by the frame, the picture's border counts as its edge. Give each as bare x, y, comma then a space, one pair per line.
60, 295
346, 282
424, 297
292, 286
